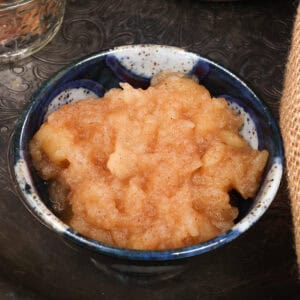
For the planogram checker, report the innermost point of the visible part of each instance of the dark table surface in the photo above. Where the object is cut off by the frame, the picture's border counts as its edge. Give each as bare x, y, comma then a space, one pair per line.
251, 39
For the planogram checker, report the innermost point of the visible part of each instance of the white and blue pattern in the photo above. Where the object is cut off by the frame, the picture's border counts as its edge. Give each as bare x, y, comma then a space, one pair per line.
136, 65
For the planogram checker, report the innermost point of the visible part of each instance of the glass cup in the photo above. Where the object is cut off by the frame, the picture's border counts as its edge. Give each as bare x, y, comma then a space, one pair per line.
27, 25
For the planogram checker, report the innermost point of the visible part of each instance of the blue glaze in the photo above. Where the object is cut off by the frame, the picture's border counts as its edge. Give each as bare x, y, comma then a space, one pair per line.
200, 70
72, 91
252, 111
104, 71
126, 75
159, 255
87, 84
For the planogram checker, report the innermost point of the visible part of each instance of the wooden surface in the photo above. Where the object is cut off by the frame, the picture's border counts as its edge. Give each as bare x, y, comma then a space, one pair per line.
251, 39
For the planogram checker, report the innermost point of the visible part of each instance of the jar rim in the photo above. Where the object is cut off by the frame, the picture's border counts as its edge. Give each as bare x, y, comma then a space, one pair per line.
13, 4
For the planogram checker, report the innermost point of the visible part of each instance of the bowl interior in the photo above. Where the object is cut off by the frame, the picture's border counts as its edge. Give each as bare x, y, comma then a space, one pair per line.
136, 65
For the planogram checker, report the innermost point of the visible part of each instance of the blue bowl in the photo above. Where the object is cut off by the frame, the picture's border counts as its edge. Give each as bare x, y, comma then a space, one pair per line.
136, 65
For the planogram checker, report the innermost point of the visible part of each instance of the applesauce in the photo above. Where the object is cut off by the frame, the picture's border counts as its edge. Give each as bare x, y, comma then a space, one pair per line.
147, 169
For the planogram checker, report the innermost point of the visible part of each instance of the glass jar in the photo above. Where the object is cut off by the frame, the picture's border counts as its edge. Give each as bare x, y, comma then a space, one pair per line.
27, 25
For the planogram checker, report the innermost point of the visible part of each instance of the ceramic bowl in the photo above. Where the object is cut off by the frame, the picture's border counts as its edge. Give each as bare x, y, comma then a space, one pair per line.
136, 64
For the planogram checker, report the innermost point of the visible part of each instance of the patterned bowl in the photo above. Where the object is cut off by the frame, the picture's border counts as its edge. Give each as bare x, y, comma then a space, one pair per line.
136, 64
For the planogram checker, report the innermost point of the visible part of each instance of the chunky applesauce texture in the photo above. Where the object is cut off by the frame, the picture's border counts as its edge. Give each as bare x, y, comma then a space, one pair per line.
147, 169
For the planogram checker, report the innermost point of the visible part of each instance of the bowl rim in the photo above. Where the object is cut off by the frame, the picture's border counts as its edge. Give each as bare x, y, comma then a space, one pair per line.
49, 219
